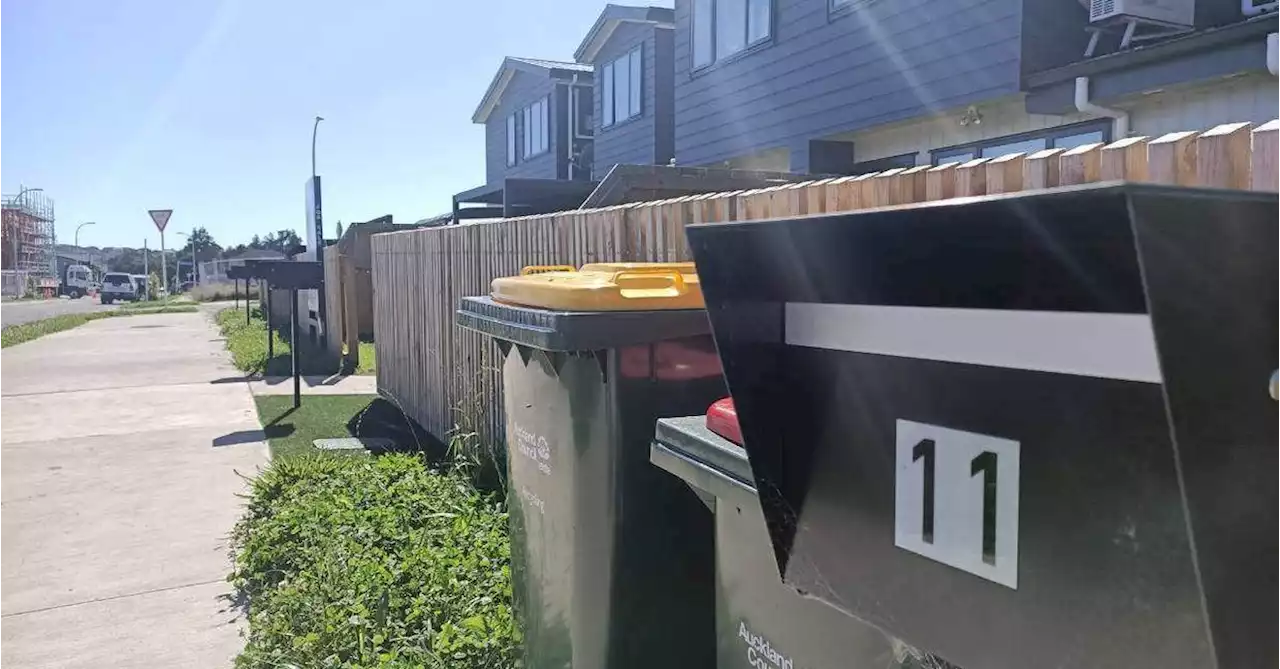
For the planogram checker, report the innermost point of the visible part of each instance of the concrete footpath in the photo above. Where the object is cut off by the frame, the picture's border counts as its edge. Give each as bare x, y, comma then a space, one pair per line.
120, 444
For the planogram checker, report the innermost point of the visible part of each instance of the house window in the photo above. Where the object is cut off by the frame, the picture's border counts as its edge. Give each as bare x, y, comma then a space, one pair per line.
512, 158
1063, 137
837, 5
722, 28
620, 92
535, 128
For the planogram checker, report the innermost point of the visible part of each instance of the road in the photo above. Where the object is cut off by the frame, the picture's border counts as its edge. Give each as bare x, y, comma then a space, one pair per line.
25, 311
122, 440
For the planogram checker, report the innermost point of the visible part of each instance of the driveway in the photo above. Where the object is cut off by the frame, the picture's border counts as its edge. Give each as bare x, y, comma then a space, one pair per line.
121, 443
24, 311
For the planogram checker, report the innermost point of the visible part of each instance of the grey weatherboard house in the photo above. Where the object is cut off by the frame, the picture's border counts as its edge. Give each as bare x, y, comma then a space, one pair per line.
631, 50
848, 86
537, 118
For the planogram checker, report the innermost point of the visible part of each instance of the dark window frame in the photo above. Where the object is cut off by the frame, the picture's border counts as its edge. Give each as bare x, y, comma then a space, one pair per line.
749, 46
611, 88
1050, 135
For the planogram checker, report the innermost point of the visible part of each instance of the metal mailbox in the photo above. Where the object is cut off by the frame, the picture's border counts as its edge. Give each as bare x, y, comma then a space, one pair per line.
1017, 431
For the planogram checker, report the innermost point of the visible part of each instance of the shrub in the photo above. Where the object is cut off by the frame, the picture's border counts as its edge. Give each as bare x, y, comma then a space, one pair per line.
248, 346
217, 292
373, 562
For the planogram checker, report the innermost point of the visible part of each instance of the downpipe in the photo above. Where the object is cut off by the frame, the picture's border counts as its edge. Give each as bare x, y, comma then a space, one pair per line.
1085, 106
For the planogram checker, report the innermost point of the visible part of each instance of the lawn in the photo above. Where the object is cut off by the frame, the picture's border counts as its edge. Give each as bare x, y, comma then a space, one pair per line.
291, 431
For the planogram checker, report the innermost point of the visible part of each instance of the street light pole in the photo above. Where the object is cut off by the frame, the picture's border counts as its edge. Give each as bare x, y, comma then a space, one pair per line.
314, 129
77, 244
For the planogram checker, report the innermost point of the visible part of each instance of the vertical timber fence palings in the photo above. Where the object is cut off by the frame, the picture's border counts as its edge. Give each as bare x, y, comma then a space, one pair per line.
446, 377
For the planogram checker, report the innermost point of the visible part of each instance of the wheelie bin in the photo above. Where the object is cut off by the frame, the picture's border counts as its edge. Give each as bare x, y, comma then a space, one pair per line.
761, 623
1027, 430
611, 556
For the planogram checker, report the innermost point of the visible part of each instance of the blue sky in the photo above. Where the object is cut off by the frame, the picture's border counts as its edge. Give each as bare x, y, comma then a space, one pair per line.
206, 107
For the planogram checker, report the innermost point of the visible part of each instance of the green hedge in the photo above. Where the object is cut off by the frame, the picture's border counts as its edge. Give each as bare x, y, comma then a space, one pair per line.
373, 562
247, 343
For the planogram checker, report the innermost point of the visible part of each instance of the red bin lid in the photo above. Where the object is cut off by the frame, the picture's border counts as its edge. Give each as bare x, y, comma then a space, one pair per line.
722, 419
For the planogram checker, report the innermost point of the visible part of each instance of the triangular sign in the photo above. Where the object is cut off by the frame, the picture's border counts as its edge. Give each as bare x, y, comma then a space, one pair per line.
160, 217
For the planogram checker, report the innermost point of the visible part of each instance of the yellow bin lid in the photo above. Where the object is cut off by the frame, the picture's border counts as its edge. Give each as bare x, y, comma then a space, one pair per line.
621, 286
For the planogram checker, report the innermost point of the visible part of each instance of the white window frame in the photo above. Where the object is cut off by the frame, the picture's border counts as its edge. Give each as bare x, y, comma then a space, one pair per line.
714, 53
513, 153
610, 110
537, 131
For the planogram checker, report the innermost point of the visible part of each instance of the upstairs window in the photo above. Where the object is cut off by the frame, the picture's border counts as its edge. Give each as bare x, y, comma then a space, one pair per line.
722, 28
512, 157
621, 82
536, 130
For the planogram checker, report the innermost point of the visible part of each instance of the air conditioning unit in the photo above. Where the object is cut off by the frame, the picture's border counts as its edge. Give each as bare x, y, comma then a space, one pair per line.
1255, 7
1177, 13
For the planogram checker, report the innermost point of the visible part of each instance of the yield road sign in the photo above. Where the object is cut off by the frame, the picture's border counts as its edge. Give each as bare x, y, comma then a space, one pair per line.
160, 217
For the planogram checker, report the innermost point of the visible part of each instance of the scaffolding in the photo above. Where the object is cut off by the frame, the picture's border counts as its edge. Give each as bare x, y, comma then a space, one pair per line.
27, 237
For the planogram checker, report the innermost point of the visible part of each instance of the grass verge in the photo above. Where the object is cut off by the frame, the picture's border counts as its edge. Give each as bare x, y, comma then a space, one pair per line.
373, 562
290, 431
20, 334
368, 359
247, 343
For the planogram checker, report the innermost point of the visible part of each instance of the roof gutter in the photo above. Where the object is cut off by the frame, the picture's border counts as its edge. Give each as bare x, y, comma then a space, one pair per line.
1085, 106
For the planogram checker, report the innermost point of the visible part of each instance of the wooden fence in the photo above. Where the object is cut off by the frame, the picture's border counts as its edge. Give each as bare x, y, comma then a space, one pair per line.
446, 377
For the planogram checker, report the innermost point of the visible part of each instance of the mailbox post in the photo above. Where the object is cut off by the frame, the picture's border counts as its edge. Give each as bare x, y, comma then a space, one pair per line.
1020, 430
294, 275
236, 273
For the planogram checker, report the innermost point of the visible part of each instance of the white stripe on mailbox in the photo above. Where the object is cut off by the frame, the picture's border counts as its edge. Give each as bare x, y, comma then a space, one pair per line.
1110, 346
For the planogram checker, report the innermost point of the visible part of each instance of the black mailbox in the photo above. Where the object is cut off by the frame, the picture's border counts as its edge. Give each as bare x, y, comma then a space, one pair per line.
238, 272
1018, 431
291, 274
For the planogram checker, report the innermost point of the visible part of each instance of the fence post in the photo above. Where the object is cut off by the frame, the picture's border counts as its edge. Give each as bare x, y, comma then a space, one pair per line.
1080, 165
940, 182
1265, 170
1040, 169
971, 178
884, 188
1171, 159
1004, 174
1125, 160
1222, 156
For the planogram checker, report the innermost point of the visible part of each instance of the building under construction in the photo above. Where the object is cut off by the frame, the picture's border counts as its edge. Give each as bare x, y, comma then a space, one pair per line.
28, 235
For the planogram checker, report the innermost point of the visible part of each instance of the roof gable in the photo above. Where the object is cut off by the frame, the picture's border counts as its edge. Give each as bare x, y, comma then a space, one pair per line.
536, 66
611, 18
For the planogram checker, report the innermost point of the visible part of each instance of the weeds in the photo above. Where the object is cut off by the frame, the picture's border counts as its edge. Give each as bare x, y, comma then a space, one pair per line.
373, 562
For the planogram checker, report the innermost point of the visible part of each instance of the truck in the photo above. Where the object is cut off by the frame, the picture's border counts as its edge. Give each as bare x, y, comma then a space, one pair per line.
77, 281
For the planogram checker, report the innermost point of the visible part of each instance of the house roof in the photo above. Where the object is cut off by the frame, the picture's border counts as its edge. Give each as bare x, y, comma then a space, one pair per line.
611, 18
513, 64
